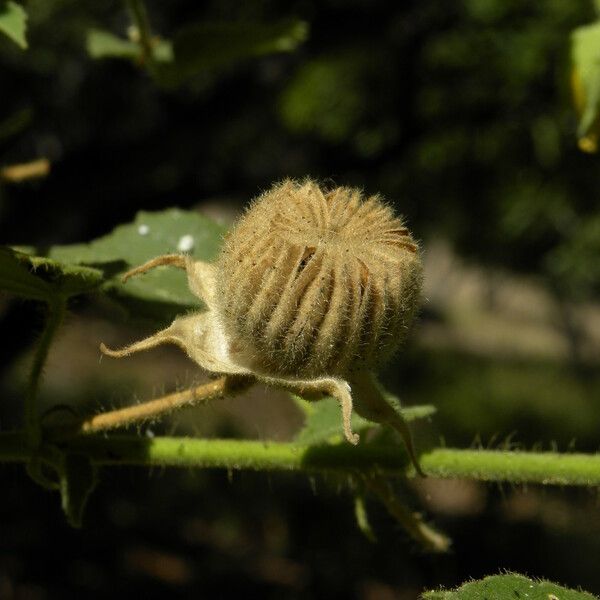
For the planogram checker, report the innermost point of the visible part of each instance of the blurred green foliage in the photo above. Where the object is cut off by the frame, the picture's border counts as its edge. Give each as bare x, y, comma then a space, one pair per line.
327, 97
13, 22
198, 47
496, 401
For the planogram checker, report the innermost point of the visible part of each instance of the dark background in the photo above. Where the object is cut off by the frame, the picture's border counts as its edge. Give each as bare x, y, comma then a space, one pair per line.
457, 112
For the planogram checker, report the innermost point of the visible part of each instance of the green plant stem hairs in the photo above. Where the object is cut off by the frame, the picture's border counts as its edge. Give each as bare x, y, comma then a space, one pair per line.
548, 468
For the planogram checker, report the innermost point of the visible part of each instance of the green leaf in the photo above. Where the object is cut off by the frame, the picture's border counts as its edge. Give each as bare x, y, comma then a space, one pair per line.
409, 413
104, 44
40, 278
509, 587
13, 22
15, 123
16, 277
203, 46
78, 479
162, 51
68, 280
323, 422
163, 292
585, 56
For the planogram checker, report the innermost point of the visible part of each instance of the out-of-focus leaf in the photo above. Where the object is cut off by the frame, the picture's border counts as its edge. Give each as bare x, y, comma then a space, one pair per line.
149, 235
327, 96
104, 44
162, 51
13, 22
362, 518
575, 261
78, 479
15, 123
324, 419
40, 278
203, 46
585, 53
509, 587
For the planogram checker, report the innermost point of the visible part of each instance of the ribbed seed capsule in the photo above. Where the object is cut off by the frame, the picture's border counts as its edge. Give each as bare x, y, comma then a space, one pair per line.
313, 289
315, 282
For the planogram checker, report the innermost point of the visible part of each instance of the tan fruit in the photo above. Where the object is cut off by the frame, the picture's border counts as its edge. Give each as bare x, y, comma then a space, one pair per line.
313, 289
317, 282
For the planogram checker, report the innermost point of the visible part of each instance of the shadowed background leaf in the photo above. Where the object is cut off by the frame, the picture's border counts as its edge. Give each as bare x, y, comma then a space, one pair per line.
151, 234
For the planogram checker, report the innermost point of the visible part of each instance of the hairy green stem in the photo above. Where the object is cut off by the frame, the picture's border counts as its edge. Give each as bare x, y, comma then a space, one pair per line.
517, 467
57, 307
483, 465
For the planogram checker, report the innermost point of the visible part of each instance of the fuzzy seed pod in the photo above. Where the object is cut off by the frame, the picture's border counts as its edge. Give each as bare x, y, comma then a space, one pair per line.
313, 282
312, 291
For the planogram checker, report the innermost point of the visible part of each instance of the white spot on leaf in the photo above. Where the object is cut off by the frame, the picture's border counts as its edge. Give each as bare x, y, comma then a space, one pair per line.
186, 243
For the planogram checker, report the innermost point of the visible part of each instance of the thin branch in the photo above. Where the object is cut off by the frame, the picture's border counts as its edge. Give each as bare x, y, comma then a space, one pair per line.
57, 307
139, 16
362, 517
425, 535
483, 465
153, 409
24, 171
